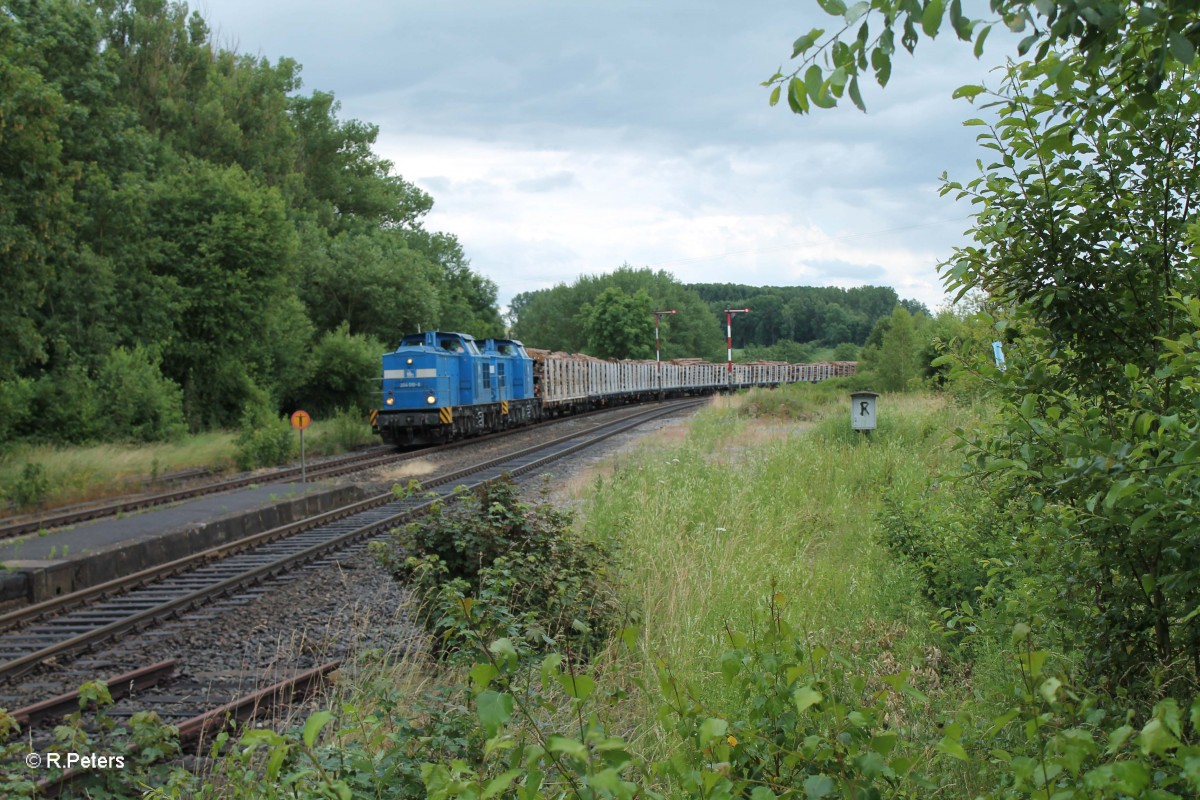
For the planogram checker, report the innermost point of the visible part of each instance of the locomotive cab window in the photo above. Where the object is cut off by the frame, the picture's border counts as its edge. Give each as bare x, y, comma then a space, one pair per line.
500, 375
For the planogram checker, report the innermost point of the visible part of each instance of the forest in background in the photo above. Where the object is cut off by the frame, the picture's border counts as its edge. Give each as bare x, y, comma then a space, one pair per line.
185, 234
612, 316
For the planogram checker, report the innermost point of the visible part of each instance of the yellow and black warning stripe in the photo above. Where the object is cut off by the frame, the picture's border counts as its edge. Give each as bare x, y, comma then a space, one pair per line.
374, 417
504, 408
446, 415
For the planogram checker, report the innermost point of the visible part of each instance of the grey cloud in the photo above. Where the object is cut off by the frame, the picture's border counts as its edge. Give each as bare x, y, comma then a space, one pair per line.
547, 183
827, 272
668, 81
435, 184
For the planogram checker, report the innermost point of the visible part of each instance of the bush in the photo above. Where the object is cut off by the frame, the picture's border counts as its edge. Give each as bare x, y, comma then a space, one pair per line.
139, 402
31, 488
948, 533
16, 408
216, 395
346, 431
265, 440
846, 351
67, 407
519, 561
345, 371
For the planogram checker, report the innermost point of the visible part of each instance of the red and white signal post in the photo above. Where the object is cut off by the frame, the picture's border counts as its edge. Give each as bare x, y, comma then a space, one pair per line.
729, 312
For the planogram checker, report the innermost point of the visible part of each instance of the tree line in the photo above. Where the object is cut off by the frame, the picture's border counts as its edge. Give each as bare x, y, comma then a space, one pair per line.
612, 316
186, 234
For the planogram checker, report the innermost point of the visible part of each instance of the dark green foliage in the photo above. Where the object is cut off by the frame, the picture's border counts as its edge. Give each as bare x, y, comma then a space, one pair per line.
823, 315
39, 44
520, 563
951, 536
563, 318
157, 192
139, 402
67, 407
226, 243
31, 488
467, 300
893, 351
16, 406
345, 371
845, 351
782, 350
1087, 263
265, 440
618, 325
554, 319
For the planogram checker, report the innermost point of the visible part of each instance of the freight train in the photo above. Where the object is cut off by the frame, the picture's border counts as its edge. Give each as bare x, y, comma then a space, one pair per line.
439, 386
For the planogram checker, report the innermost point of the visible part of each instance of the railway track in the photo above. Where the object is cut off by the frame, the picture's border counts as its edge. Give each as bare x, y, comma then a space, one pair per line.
57, 631
367, 459
72, 623
191, 733
358, 461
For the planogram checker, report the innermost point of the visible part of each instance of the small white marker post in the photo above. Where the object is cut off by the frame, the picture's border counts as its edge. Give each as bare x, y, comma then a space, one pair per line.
862, 411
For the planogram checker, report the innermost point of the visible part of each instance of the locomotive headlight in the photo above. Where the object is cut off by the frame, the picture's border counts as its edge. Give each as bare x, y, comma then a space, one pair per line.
390, 400
409, 362
431, 399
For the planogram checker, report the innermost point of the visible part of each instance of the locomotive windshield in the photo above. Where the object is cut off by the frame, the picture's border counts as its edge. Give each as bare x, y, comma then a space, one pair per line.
450, 342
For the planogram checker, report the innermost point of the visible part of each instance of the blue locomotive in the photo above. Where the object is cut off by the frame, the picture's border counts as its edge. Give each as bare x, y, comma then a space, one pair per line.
439, 386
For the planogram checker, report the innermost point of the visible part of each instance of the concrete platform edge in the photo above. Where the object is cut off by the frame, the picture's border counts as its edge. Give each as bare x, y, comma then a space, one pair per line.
33, 582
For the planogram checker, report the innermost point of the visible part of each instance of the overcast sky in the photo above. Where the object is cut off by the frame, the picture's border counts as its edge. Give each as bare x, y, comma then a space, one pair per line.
562, 138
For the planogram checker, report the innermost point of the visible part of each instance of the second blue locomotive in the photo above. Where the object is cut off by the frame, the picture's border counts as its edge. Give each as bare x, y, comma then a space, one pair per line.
439, 386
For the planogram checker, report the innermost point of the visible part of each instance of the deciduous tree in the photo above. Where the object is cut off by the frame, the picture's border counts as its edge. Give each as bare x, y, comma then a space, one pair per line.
1084, 239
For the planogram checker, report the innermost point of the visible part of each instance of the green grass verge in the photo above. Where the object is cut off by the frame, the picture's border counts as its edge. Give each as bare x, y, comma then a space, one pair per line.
711, 525
33, 476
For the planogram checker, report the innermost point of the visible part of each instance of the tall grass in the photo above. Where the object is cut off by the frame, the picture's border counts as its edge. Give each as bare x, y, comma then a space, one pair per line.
709, 528
77, 474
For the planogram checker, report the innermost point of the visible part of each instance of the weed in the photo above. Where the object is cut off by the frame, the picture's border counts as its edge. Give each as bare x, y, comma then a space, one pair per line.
519, 561
32, 487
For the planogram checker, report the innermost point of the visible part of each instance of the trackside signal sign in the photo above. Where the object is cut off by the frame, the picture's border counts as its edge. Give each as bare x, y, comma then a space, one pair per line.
862, 411
301, 420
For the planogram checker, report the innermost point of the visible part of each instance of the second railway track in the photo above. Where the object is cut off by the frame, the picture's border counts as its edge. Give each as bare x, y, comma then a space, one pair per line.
359, 461
56, 629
